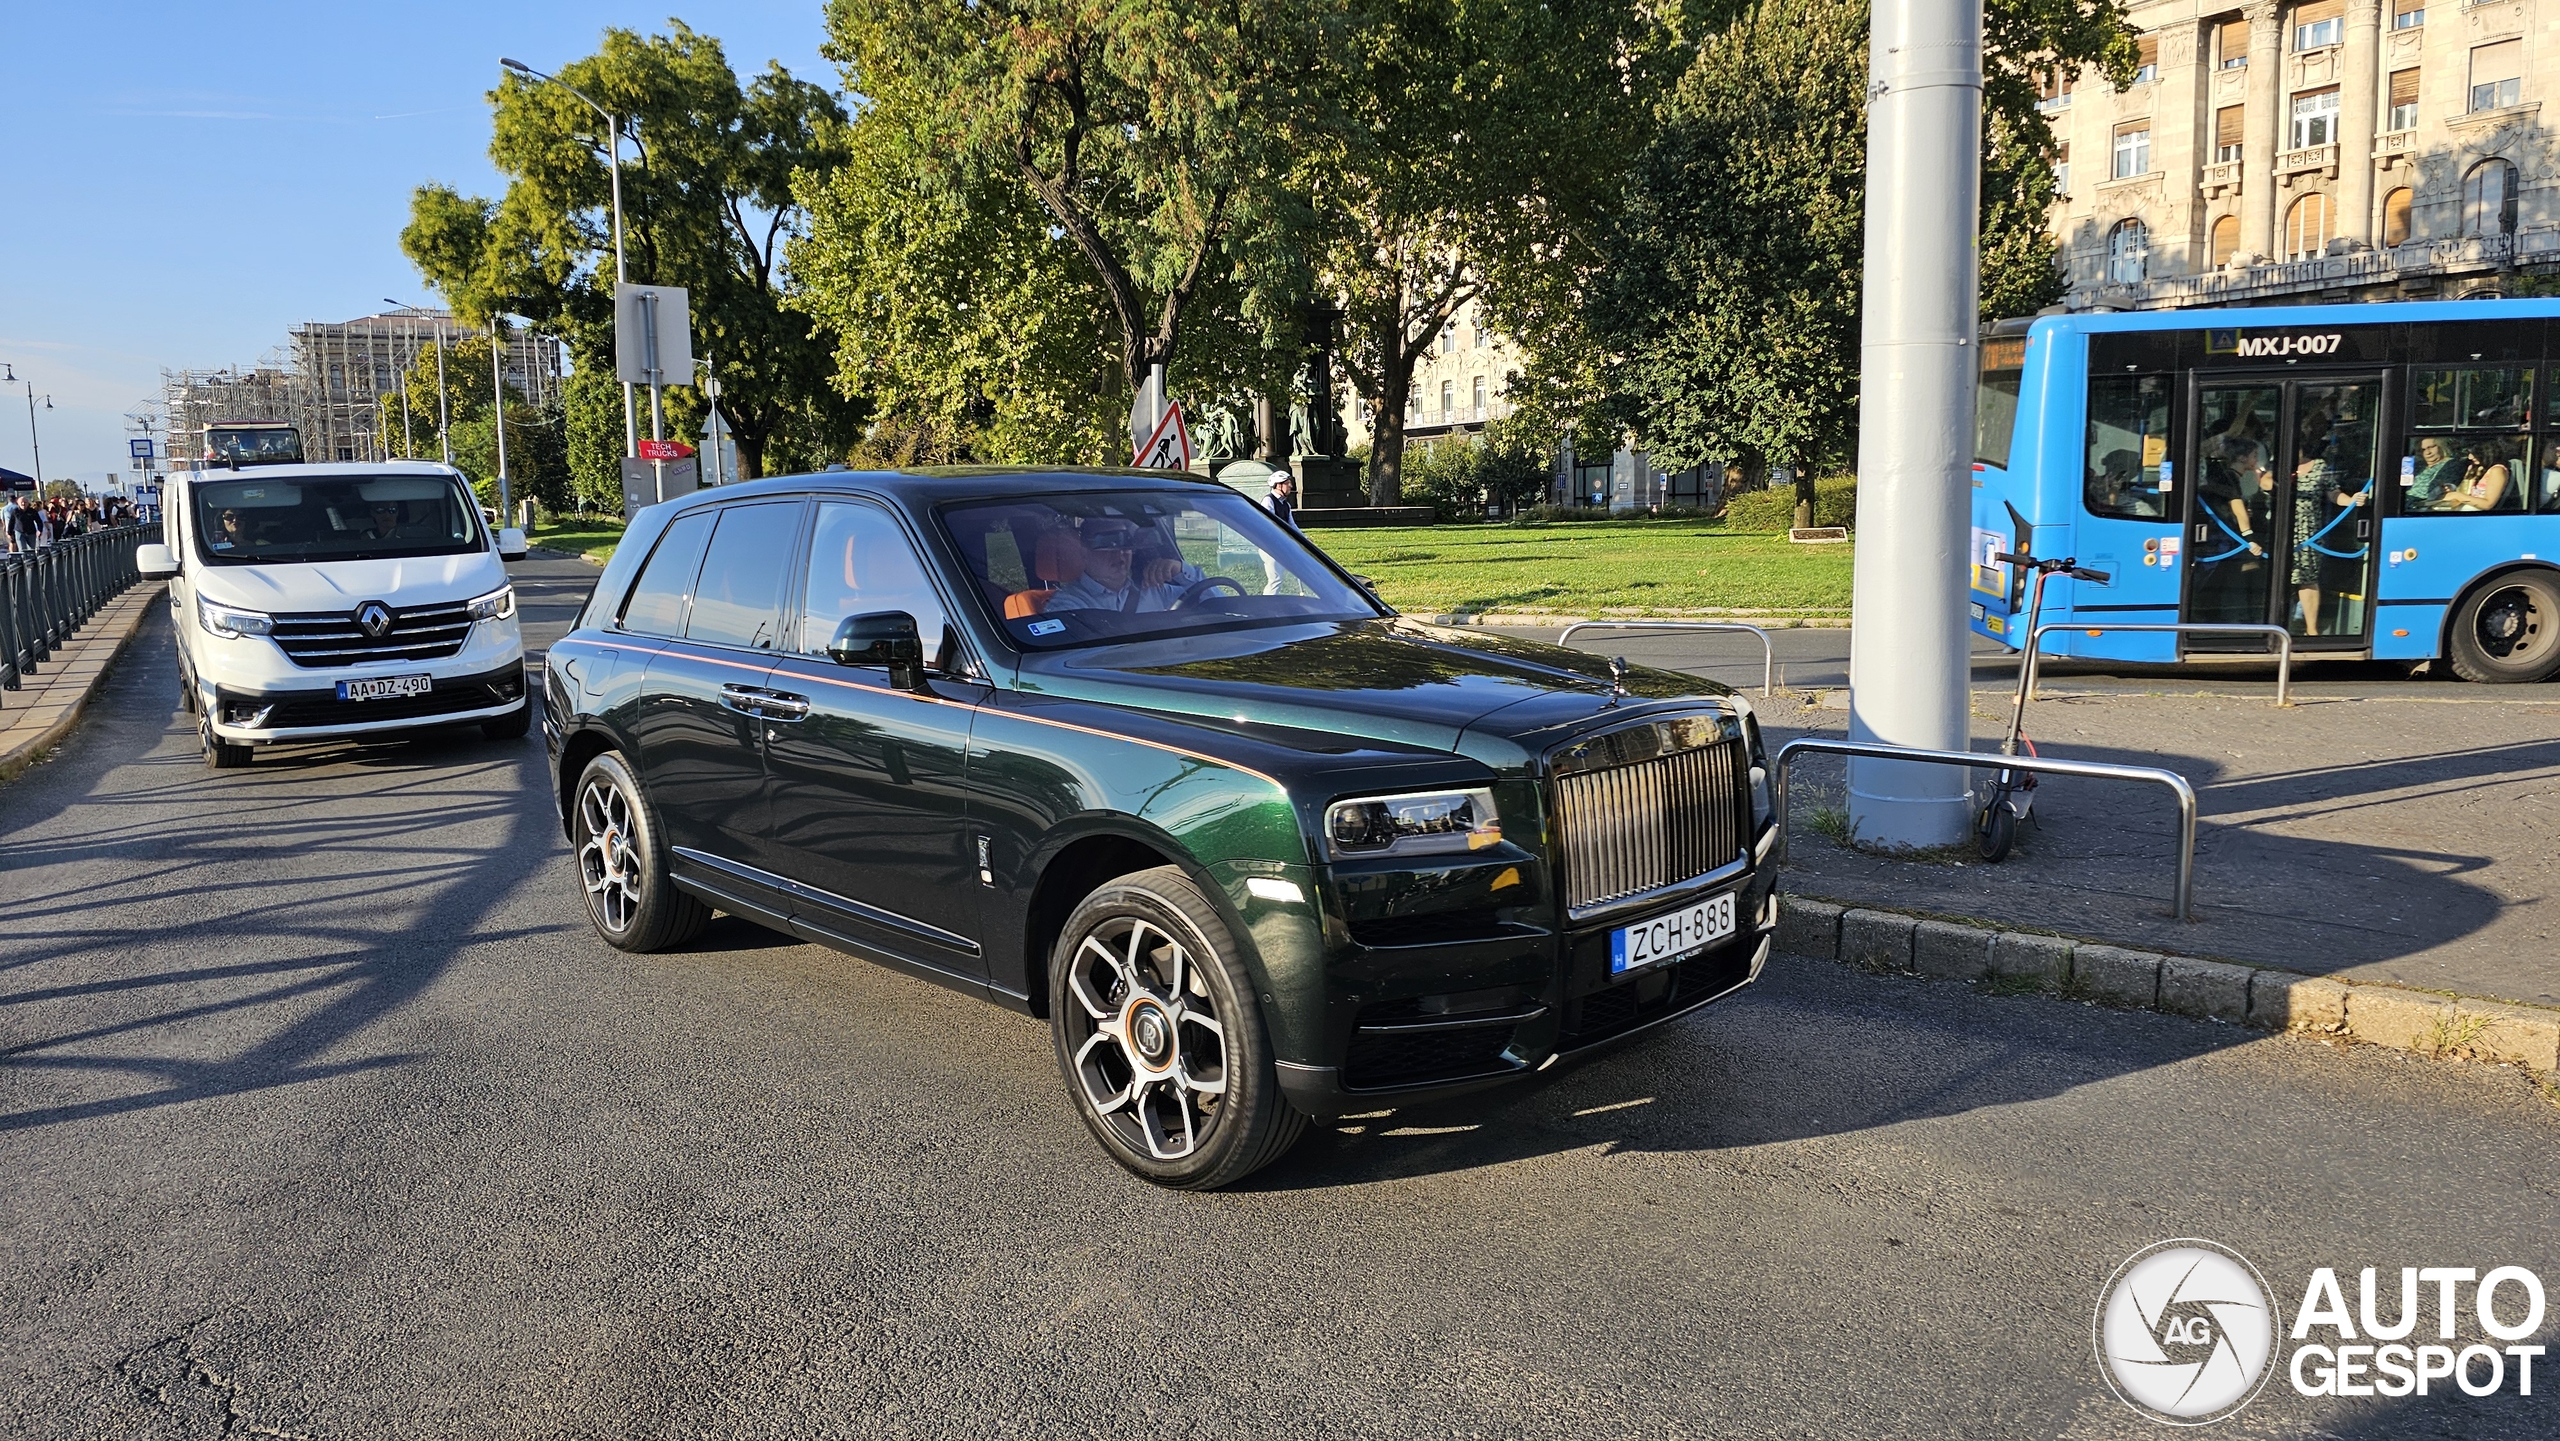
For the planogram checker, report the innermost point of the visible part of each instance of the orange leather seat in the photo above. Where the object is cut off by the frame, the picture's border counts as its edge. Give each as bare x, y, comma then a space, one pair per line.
1058, 560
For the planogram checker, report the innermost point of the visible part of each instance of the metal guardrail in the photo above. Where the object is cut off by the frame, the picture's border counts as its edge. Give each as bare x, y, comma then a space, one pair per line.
1768, 653
1977, 760
48, 594
2282, 637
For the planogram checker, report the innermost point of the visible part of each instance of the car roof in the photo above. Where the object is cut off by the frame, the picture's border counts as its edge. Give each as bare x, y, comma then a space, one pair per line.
935, 485
320, 469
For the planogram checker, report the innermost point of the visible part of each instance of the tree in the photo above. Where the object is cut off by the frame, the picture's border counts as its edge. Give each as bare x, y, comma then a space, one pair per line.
1729, 307
537, 435
707, 204
1479, 138
1156, 138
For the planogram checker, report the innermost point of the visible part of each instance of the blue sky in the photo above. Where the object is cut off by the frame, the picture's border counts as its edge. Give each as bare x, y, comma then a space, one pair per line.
180, 184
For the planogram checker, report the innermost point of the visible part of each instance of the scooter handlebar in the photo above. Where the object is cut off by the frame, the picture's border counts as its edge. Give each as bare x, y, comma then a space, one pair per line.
2081, 573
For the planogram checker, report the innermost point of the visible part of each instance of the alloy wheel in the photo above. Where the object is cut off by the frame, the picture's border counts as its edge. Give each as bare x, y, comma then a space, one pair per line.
607, 860
1152, 1059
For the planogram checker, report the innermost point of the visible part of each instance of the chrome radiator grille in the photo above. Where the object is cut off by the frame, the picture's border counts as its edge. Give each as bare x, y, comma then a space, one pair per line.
1640, 824
333, 638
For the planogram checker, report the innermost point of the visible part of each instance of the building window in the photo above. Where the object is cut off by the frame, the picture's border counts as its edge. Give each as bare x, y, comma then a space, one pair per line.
2231, 44
2395, 217
2226, 240
2489, 199
1483, 338
2146, 59
2128, 252
1449, 338
2062, 170
2315, 118
2408, 14
2497, 75
1447, 388
2404, 100
1477, 413
2133, 151
2306, 227
2230, 124
2319, 25
2053, 87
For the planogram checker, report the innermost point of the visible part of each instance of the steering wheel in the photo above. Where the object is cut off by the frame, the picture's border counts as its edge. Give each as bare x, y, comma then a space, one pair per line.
1201, 587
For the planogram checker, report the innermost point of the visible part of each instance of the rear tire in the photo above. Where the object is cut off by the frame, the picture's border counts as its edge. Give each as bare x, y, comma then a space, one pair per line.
2508, 631
622, 866
220, 754
1160, 1038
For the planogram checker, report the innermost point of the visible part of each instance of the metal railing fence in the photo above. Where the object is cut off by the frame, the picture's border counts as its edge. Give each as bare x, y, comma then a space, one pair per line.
2276, 635
48, 594
1977, 760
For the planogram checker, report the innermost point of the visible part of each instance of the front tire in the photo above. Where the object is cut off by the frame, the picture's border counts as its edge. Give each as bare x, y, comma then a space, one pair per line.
1997, 830
1160, 1039
510, 727
220, 754
2508, 633
631, 899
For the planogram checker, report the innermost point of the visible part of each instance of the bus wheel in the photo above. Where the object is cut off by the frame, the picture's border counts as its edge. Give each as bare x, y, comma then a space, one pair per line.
2508, 632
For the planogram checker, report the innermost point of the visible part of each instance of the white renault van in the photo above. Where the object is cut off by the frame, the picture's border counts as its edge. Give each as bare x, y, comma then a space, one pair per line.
317, 602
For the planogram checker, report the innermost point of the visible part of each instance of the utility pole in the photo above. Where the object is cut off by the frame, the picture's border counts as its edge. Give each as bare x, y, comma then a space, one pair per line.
657, 381
621, 272
1909, 668
444, 433
9, 375
498, 394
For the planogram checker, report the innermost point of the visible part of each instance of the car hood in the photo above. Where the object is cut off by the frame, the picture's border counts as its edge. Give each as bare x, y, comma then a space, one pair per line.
1392, 680
338, 585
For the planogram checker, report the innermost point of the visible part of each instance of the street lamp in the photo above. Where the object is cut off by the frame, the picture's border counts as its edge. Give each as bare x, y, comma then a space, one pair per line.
11, 377
621, 272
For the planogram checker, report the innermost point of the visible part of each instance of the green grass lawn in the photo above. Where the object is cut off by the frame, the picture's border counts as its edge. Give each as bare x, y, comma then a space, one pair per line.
594, 537
1585, 568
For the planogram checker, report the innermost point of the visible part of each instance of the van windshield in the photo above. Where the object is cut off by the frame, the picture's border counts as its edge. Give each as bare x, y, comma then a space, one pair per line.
323, 517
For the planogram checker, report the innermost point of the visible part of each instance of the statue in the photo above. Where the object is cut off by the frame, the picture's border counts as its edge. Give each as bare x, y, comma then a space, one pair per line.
1302, 435
1216, 437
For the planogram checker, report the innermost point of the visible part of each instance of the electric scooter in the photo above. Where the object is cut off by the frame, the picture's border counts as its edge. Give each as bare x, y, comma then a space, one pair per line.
1995, 829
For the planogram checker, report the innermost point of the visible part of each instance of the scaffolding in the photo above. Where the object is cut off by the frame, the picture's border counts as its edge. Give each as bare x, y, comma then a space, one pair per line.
328, 382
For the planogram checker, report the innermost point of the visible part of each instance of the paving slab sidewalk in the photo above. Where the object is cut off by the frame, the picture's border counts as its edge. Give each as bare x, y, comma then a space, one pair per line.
51, 697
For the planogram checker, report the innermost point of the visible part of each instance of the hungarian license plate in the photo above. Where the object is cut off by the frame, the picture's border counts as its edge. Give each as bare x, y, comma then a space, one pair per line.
1675, 936
386, 687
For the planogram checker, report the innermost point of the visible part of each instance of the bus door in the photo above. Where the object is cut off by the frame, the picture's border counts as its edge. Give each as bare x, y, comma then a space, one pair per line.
2280, 520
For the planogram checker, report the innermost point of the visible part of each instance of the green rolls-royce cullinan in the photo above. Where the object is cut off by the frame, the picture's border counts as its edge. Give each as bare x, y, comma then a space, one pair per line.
1120, 750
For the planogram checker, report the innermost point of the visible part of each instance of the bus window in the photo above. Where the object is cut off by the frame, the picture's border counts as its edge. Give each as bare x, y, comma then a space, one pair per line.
1995, 399
2128, 443
2483, 397
2479, 474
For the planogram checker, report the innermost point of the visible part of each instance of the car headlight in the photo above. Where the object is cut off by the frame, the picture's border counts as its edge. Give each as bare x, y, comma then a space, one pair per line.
1424, 823
231, 623
496, 605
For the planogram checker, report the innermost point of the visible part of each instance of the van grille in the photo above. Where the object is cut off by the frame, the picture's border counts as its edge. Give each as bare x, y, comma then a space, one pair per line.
1639, 826
323, 639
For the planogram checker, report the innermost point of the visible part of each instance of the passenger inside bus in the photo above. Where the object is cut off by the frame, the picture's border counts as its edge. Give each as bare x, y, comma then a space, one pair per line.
2487, 476
2439, 470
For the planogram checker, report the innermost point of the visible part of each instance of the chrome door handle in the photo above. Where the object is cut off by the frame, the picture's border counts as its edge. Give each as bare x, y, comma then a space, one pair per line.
781, 707
744, 699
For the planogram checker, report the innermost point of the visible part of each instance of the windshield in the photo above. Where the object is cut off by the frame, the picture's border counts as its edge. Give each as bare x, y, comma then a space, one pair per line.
1074, 569
281, 445
316, 518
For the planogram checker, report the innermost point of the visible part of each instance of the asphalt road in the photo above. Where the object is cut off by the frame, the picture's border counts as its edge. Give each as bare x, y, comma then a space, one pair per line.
323, 1113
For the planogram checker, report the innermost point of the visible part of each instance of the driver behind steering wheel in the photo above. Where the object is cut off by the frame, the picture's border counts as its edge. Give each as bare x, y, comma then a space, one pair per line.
1123, 573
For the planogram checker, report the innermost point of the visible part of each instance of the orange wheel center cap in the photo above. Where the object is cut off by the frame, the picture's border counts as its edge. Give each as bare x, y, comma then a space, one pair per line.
1150, 1033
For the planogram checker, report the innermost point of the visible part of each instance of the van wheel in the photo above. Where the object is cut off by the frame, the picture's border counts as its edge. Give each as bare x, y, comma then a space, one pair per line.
1160, 1039
631, 898
2508, 632
509, 727
220, 754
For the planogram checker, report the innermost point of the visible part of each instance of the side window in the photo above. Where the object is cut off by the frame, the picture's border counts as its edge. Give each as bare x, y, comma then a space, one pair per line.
861, 563
1995, 398
2464, 456
656, 605
2128, 443
739, 601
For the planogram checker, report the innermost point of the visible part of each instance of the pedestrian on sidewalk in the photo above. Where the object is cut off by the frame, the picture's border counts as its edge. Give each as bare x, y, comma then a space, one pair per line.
22, 527
1284, 507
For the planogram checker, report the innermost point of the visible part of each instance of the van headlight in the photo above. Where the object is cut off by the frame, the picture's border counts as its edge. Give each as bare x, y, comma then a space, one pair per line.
1423, 823
496, 605
231, 623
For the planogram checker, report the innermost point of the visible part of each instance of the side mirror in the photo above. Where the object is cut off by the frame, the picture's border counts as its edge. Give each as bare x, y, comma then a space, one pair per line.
884, 637
155, 561
511, 544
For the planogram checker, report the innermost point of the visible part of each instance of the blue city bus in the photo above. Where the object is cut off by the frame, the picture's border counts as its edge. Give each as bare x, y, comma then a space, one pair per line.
2381, 480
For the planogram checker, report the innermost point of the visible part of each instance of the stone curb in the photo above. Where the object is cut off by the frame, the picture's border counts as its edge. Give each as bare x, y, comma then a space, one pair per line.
2262, 997
22, 753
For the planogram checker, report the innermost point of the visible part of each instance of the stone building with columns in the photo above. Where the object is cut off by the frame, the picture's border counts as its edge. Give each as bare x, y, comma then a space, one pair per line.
2316, 150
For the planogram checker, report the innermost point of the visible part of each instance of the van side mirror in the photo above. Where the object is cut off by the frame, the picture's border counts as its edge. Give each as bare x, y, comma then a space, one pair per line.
511, 544
155, 561
883, 637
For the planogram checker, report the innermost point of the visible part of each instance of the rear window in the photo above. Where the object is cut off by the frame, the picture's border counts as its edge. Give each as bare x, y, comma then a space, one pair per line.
1995, 399
738, 601
657, 603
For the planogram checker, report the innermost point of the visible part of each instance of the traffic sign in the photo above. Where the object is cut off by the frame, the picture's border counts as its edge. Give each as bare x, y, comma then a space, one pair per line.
140, 446
664, 450
652, 335
1169, 448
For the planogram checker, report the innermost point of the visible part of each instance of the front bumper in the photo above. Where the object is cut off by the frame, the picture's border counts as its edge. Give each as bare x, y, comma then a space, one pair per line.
305, 713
